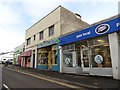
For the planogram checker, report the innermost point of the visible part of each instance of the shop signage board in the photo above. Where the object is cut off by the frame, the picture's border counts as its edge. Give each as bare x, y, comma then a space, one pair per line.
93, 31
47, 43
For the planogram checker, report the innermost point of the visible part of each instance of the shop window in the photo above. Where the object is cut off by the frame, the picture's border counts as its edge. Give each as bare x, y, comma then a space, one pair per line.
67, 60
68, 47
98, 41
41, 35
68, 55
42, 58
28, 41
51, 30
100, 52
34, 37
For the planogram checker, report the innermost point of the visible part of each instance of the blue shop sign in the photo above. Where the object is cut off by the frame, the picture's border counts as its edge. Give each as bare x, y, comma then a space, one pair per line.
48, 43
93, 31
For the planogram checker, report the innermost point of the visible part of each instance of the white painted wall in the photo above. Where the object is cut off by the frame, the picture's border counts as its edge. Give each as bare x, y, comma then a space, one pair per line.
36, 57
61, 59
114, 50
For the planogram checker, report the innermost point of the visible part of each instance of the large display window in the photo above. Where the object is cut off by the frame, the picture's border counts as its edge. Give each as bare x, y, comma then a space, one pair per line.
48, 55
100, 52
93, 52
68, 55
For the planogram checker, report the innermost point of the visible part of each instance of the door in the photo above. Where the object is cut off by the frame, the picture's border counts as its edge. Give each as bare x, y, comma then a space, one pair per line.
85, 60
33, 60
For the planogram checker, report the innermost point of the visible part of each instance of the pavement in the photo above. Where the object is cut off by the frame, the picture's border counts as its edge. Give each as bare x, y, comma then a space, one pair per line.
90, 82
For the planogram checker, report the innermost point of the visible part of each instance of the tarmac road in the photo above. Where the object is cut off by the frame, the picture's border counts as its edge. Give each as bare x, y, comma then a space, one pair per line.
16, 80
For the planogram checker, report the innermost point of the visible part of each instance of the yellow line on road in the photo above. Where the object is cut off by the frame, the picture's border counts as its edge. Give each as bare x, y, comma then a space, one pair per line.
53, 81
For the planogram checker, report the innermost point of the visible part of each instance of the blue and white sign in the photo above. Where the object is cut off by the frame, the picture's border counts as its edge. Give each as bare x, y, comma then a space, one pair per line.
103, 28
98, 59
67, 61
93, 31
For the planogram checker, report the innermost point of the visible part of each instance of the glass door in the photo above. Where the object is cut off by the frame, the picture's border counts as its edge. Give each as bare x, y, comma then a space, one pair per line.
85, 60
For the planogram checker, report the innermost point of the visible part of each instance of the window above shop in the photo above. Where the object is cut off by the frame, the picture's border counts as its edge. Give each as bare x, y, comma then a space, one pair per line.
51, 30
28, 41
41, 35
34, 37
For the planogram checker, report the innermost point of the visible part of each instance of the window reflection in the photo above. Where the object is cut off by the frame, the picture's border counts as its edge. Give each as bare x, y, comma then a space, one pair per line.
101, 47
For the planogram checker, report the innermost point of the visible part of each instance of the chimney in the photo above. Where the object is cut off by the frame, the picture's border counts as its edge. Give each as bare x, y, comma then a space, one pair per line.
78, 15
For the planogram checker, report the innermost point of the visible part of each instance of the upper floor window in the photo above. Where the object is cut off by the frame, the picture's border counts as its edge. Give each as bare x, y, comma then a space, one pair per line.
34, 37
28, 41
41, 35
51, 30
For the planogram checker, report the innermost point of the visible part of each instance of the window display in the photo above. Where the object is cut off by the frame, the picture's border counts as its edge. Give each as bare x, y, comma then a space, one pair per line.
43, 58
68, 55
94, 52
100, 52
67, 59
47, 56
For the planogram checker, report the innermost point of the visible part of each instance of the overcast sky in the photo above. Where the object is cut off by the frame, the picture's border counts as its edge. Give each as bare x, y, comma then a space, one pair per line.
18, 15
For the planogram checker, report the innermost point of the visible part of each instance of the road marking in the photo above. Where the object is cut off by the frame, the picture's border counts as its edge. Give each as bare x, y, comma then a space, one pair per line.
54, 81
6, 86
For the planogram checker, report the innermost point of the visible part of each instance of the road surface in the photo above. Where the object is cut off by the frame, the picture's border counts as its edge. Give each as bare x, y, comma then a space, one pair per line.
13, 79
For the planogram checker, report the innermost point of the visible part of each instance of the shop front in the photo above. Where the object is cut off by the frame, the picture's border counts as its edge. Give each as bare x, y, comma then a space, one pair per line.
47, 56
89, 51
26, 58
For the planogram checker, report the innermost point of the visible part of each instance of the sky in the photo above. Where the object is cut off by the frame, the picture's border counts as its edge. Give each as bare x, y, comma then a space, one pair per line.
16, 16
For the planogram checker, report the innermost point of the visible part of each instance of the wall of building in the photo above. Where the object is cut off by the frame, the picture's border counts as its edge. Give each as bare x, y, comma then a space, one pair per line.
52, 18
114, 48
17, 51
70, 22
64, 21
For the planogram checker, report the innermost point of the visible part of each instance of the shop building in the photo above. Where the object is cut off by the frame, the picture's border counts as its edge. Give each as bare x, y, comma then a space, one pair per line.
17, 59
42, 37
93, 51
26, 58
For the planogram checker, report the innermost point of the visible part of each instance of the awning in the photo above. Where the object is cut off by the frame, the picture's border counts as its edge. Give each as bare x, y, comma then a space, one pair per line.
26, 53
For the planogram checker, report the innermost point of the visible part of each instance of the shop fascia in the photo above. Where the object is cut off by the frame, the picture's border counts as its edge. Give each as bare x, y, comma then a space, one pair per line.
97, 30
48, 43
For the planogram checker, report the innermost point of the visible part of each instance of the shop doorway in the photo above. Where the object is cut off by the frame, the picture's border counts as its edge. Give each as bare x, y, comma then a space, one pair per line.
33, 60
85, 60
